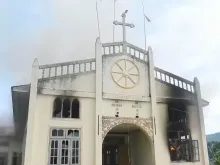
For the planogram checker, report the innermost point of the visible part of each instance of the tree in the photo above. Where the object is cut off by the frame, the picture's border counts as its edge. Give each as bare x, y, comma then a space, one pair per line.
214, 153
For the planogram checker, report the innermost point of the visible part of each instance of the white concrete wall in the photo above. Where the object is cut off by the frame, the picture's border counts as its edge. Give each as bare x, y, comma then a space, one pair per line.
161, 134
141, 149
195, 128
81, 83
44, 121
144, 109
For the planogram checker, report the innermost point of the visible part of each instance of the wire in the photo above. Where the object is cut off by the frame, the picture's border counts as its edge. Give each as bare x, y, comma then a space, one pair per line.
97, 14
113, 24
144, 26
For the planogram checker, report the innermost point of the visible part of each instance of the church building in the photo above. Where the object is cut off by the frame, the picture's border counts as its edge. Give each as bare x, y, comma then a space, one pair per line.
115, 109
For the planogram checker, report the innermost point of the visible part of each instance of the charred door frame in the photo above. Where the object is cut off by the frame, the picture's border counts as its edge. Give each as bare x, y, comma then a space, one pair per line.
180, 141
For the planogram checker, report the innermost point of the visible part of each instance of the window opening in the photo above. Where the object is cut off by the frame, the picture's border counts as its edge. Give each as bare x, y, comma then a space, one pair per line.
66, 108
57, 107
180, 143
64, 147
75, 109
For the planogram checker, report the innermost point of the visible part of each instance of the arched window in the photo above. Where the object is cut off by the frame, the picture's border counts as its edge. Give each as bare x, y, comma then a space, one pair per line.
66, 108
57, 107
75, 109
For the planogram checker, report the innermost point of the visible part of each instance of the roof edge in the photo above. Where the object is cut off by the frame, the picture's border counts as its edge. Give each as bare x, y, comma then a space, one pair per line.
204, 103
21, 88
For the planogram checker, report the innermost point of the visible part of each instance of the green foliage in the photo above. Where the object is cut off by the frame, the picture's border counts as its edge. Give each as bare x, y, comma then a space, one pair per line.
214, 152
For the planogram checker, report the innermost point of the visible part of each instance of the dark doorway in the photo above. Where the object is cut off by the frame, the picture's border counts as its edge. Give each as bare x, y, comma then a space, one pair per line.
115, 150
126, 144
110, 155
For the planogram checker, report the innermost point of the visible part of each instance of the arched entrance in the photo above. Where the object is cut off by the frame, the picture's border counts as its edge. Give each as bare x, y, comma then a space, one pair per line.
127, 144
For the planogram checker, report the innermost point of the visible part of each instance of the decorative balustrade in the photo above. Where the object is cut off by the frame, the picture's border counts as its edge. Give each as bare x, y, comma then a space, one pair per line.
161, 75
112, 48
175, 80
116, 48
82, 66
137, 52
67, 68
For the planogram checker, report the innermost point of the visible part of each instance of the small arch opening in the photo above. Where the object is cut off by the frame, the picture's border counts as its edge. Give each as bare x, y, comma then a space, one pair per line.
75, 109
57, 107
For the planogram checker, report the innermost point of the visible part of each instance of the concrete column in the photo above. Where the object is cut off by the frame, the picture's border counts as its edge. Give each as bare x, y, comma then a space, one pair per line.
204, 150
23, 146
29, 148
98, 115
10, 154
9, 159
153, 100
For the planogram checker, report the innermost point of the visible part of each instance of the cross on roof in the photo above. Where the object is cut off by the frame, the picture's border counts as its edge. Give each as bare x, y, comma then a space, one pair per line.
124, 24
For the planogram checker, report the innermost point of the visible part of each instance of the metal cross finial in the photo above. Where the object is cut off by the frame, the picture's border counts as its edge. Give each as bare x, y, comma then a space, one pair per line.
124, 24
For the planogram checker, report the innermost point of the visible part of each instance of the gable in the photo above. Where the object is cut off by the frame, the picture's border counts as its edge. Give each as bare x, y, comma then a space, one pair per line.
80, 76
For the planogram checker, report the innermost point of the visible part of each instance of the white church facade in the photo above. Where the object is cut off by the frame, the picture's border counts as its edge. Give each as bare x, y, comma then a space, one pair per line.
115, 109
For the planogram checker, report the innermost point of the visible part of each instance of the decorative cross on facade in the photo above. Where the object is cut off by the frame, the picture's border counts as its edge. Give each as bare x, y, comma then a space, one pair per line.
124, 24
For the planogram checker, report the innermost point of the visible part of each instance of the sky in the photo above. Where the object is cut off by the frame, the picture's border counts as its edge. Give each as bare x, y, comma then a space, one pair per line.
183, 34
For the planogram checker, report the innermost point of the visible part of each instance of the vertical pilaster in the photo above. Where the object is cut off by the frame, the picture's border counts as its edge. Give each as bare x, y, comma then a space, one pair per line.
201, 120
23, 146
153, 99
31, 115
98, 115
9, 158
10, 154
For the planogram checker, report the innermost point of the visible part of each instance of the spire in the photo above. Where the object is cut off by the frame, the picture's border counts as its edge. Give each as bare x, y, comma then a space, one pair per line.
35, 63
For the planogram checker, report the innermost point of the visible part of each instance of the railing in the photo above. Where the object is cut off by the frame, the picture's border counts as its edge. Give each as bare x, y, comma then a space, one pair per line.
67, 68
82, 66
172, 79
116, 48
112, 48
161, 75
137, 52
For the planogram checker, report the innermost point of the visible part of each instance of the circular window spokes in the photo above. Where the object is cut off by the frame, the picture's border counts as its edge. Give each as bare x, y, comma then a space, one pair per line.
125, 73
